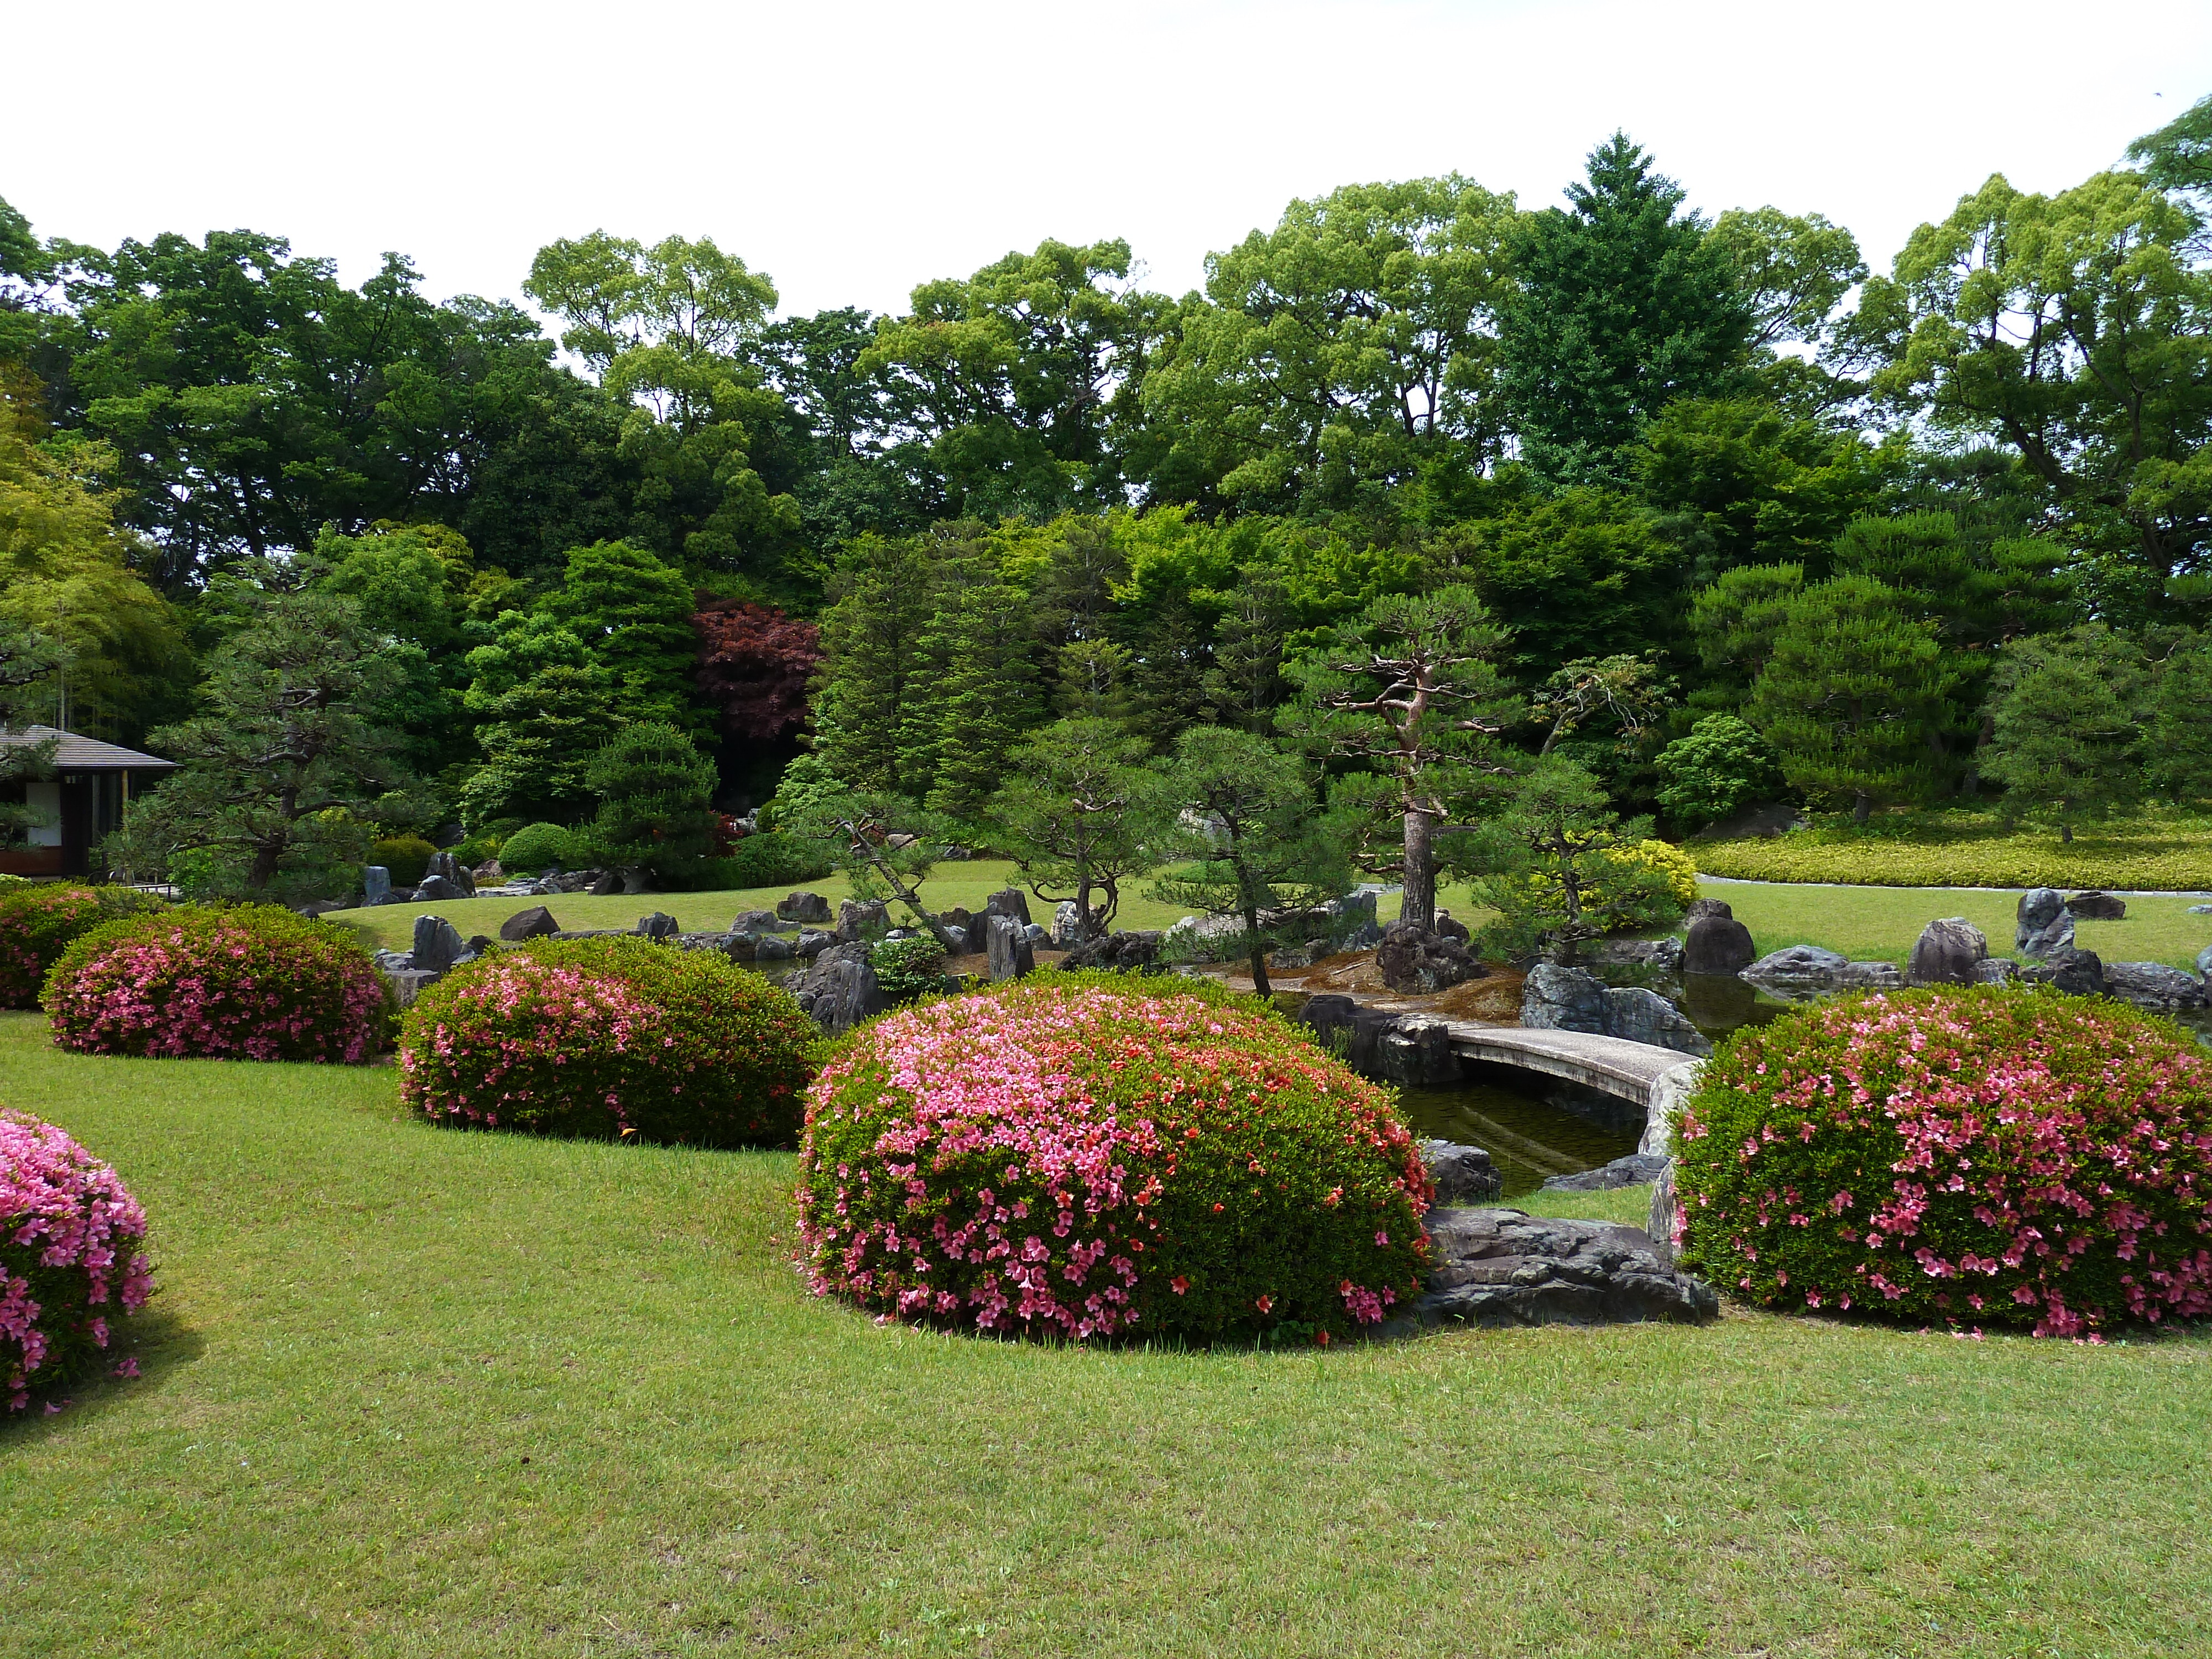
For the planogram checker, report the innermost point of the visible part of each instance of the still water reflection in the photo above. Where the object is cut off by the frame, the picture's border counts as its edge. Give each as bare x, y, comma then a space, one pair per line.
1528, 1139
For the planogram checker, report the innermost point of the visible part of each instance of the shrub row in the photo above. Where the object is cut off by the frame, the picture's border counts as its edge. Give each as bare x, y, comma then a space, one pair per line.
1974, 1155
608, 1038
1090, 1154
70, 1265
2162, 855
252, 982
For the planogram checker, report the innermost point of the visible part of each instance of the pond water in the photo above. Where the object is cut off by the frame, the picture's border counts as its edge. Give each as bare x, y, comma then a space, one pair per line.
1528, 1139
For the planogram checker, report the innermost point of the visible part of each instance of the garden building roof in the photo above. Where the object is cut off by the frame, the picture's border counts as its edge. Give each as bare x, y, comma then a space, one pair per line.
82, 754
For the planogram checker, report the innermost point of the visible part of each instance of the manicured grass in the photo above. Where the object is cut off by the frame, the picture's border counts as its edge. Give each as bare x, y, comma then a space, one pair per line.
366, 1326
2165, 852
1880, 924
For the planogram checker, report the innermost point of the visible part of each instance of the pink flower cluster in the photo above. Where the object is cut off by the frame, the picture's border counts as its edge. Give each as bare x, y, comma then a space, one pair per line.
252, 984
69, 1237
1084, 1162
1961, 1155
37, 924
523, 1041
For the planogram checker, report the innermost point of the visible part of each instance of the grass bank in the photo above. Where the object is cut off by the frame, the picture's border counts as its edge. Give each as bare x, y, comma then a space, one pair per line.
2166, 852
417, 1391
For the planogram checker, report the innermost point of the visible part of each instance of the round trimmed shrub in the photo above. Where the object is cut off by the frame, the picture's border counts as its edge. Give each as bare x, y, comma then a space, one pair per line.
1095, 1154
608, 1038
406, 857
243, 982
537, 847
70, 1264
1969, 1155
1675, 869
38, 920
907, 968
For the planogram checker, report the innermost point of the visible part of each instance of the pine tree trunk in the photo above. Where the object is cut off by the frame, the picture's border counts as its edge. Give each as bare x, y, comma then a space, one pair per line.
1861, 807
1420, 907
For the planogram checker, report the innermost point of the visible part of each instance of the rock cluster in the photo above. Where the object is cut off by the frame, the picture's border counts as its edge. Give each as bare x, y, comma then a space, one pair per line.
1715, 942
839, 989
1414, 962
2044, 924
1463, 1174
1410, 1049
1805, 970
1131, 952
1502, 1267
1556, 999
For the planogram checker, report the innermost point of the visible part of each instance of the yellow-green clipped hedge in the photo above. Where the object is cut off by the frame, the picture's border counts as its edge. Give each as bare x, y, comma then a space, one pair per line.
2164, 854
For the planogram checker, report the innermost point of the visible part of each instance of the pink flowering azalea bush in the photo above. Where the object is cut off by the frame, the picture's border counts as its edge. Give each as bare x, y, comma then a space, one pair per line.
243, 982
610, 1037
1963, 1154
70, 1262
1090, 1154
39, 921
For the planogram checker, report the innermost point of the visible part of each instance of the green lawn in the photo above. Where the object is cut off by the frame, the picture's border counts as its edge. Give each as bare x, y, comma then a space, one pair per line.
2155, 850
421, 1393
1878, 924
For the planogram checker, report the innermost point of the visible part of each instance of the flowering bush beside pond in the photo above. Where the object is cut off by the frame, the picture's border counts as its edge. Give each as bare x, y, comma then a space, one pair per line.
70, 1265
244, 983
608, 1038
1967, 1155
39, 920
1088, 1154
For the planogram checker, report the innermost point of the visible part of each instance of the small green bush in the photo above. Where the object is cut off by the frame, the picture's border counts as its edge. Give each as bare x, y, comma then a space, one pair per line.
39, 920
478, 849
773, 859
537, 847
251, 981
405, 856
907, 968
1965, 1154
608, 1038
1722, 765
1098, 1155
655, 788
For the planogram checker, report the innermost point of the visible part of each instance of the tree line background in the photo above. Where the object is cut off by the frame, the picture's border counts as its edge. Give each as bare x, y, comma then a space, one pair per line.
1735, 513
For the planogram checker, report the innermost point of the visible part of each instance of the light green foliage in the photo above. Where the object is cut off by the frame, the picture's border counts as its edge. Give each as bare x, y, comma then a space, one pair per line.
2064, 734
1410, 688
1567, 880
29, 660
884, 847
2161, 852
1737, 619
1079, 815
1791, 270
1852, 694
653, 788
1722, 765
1010, 377
632, 612
538, 847
806, 783
545, 703
1340, 353
1246, 815
1624, 305
283, 762
404, 857
907, 968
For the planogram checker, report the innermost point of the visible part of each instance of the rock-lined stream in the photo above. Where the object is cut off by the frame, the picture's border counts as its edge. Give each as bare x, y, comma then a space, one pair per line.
1528, 1140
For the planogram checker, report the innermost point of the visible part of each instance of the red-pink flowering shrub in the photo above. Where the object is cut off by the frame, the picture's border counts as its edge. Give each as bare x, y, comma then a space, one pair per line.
610, 1036
70, 1264
1968, 1155
253, 982
1090, 1154
39, 921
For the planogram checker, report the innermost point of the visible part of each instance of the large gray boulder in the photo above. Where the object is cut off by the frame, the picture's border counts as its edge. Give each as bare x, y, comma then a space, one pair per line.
2204, 961
1463, 1174
659, 925
1125, 952
447, 868
1500, 1268
2081, 972
438, 887
1801, 968
858, 920
438, 944
375, 885
1717, 944
1633, 1170
757, 921
2093, 906
2155, 985
1006, 942
602, 884
536, 922
1709, 906
773, 947
840, 989
1009, 902
1416, 963
1066, 926
407, 983
812, 942
802, 906
2044, 925
1945, 953
1556, 999
1642, 1016
1996, 971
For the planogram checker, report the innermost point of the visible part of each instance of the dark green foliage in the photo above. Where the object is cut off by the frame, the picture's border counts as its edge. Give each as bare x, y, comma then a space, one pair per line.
545, 703
538, 847
38, 923
1564, 882
655, 788
1624, 307
606, 1038
907, 968
2180, 734
1721, 766
2066, 739
632, 613
771, 859
1598, 546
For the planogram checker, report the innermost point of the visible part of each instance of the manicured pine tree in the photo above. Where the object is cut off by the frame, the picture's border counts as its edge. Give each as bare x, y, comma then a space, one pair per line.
655, 792
2180, 726
632, 613
872, 671
544, 702
1853, 695
2066, 733
1080, 814
1244, 687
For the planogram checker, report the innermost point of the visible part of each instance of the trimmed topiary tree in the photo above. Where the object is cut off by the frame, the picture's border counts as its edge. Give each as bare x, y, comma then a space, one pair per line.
406, 857
39, 920
608, 1038
70, 1262
1969, 1155
537, 847
1096, 1155
248, 982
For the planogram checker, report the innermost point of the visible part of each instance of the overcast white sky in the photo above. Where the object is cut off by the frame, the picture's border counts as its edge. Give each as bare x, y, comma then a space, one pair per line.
854, 150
